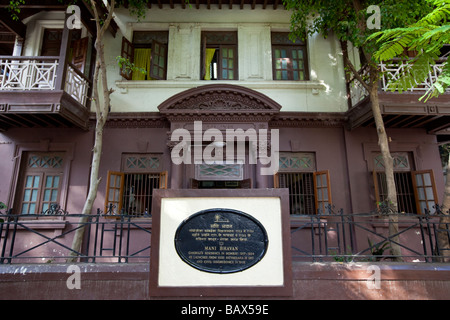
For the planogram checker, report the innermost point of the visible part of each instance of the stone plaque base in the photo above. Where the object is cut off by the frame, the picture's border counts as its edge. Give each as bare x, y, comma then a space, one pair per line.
179, 217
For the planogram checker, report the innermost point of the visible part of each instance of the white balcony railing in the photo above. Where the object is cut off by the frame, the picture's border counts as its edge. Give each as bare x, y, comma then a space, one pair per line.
76, 84
393, 71
28, 73
40, 73
390, 73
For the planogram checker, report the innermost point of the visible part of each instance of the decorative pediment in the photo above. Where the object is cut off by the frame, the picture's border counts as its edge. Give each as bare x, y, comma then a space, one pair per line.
220, 100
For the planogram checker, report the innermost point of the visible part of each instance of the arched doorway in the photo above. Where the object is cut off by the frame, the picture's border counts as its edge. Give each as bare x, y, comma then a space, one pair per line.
224, 111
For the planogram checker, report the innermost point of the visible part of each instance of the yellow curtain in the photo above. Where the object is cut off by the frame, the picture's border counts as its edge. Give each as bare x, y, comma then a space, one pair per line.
208, 60
142, 59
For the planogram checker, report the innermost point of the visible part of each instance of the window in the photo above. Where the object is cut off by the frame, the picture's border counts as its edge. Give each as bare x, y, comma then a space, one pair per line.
219, 56
416, 190
131, 190
425, 190
219, 171
220, 175
289, 59
148, 51
40, 182
309, 190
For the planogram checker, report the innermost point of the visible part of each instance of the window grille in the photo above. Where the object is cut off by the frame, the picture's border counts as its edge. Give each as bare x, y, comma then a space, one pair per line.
297, 161
400, 159
404, 187
132, 193
301, 191
141, 163
219, 171
138, 192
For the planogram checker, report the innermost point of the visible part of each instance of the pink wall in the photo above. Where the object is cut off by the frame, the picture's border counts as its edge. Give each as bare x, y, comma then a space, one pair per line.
77, 141
344, 153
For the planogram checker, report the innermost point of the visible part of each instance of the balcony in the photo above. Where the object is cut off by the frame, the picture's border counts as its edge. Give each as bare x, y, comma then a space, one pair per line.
401, 110
42, 92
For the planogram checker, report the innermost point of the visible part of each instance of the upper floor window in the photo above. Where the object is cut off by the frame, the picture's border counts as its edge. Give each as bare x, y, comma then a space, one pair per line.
289, 59
148, 51
219, 55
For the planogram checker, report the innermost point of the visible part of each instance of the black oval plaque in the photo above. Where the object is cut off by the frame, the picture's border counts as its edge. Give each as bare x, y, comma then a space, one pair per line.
221, 241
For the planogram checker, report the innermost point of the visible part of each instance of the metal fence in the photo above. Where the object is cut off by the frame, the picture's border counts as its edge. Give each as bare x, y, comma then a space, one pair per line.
47, 238
339, 237
327, 236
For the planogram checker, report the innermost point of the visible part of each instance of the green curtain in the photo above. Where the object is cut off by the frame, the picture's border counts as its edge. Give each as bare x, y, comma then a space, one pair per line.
142, 59
208, 60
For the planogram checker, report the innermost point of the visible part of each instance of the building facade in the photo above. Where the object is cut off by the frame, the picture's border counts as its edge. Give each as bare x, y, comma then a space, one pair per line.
212, 69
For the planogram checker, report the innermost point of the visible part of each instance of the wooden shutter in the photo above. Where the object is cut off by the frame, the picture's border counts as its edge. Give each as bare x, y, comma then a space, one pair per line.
114, 192
424, 190
322, 189
203, 58
276, 180
158, 63
163, 180
79, 53
228, 63
127, 52
377, 188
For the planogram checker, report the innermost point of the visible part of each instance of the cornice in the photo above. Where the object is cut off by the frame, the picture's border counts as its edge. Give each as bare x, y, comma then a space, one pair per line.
282, 120
133, 120
309, 120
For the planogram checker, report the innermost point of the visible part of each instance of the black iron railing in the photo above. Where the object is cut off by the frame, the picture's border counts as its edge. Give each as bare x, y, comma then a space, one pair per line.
335, 236
327, 236
47, 238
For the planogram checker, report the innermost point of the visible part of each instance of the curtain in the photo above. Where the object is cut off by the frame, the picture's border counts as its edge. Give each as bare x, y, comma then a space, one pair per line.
208, 60
142, 59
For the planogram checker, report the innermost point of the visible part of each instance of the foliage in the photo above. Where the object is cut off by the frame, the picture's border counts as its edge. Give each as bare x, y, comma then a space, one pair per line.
136, 8
346, 257
14, 8
2, 207
444, 151
427, 36
126, 64
347, 21
378, 249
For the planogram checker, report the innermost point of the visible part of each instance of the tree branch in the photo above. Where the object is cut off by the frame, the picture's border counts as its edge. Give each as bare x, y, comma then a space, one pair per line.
355, 73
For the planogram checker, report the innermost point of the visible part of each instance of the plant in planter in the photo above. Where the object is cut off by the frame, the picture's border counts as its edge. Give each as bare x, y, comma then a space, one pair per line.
378, 249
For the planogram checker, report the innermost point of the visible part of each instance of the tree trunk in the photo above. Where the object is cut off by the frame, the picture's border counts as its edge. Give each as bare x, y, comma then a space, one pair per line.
443, 234
92, 194
102, 111
383, 142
